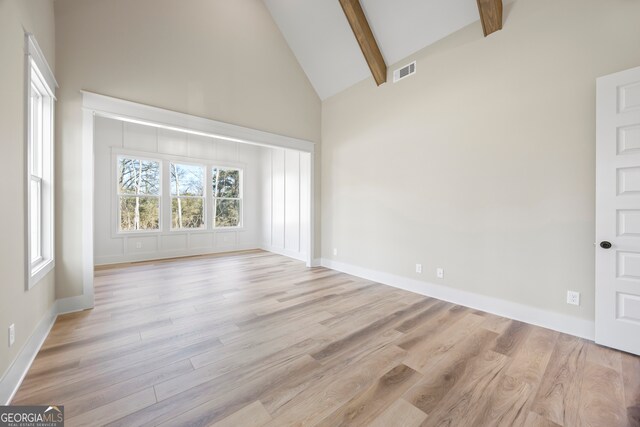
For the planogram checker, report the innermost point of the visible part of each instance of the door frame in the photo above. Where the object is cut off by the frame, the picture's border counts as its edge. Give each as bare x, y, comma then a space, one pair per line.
96, 105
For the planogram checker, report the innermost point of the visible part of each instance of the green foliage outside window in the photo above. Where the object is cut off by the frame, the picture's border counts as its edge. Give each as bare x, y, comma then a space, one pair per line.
226, 190
139, 191
187, 191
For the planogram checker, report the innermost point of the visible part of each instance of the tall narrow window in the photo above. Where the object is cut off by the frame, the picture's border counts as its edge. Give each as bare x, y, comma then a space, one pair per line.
138, 194
227, 193
187, 196
40, 110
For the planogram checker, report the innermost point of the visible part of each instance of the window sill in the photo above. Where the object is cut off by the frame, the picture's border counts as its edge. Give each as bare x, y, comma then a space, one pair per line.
175, 231
39, 271
136, 233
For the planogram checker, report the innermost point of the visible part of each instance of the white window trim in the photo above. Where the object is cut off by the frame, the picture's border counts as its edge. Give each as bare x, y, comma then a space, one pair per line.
204, 197
215, 199
35, 62
160, 197
165, 193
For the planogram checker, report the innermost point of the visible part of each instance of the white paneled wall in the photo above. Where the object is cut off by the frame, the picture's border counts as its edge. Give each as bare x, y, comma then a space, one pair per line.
113, 137
285, 202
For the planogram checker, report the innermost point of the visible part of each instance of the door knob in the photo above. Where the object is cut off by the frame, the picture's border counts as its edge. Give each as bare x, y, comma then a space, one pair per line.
605, 245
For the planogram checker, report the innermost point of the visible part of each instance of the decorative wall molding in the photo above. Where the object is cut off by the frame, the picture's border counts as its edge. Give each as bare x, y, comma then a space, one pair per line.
286, 204
535, 316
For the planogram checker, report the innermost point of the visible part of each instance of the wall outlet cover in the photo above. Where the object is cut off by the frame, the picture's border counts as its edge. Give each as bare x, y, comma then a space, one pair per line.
12, 334
573, 297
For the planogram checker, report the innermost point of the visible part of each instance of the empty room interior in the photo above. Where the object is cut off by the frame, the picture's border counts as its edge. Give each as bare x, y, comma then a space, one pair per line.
320, 213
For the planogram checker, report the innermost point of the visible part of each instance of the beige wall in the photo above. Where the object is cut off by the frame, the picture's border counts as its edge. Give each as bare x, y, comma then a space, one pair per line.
483, 162
220, 59
24, 308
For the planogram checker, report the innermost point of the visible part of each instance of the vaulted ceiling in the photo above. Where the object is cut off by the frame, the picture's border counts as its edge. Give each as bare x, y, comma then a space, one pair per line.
320, 36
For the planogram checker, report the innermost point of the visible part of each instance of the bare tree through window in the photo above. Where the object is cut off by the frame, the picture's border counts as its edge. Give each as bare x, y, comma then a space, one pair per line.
187, 196
139, 194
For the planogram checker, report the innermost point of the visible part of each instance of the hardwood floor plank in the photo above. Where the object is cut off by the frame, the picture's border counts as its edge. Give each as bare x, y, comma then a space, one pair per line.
322, 398
114, 410
232, 364
513, 398
602, 397
274, 400
532, 358
428, 353
495, 323
253, 415
535, 420
400, 413
460, 406
558, 397
507, 403
432, 327
92, 400
604, 356
442, 377
215, 404
366, 406
432, 308
80, 381
510, 340
210, 402
354, 339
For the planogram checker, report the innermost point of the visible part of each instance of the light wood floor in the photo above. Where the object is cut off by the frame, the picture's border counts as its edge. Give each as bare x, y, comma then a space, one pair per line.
252, 338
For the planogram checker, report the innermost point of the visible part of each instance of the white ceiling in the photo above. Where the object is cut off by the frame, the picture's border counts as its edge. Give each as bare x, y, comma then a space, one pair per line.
321, 38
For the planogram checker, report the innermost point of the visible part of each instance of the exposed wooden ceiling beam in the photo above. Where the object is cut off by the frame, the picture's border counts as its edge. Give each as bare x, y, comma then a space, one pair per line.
490, 15
358, 21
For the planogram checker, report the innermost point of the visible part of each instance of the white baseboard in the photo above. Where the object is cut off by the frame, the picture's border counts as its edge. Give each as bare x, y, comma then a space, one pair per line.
158, 255
17, 371
536, 316
285, 252
13, 377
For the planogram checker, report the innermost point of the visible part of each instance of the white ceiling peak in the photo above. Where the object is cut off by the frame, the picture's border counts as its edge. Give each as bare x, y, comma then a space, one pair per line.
320, 37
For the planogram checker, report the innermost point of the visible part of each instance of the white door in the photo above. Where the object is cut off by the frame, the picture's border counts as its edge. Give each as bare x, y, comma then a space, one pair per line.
618, 211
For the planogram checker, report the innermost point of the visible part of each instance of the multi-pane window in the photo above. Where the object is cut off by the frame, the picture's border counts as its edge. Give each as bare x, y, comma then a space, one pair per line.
187, 196
227, 196
40, 89
138, 194
142, 203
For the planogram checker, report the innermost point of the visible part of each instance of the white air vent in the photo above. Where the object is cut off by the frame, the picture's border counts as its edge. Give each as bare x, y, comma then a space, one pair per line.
403, 72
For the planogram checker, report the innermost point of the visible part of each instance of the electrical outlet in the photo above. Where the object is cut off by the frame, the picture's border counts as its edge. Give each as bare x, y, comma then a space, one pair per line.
440, 272
12, 334
335, 251
573, 297
418, 268
138, 245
